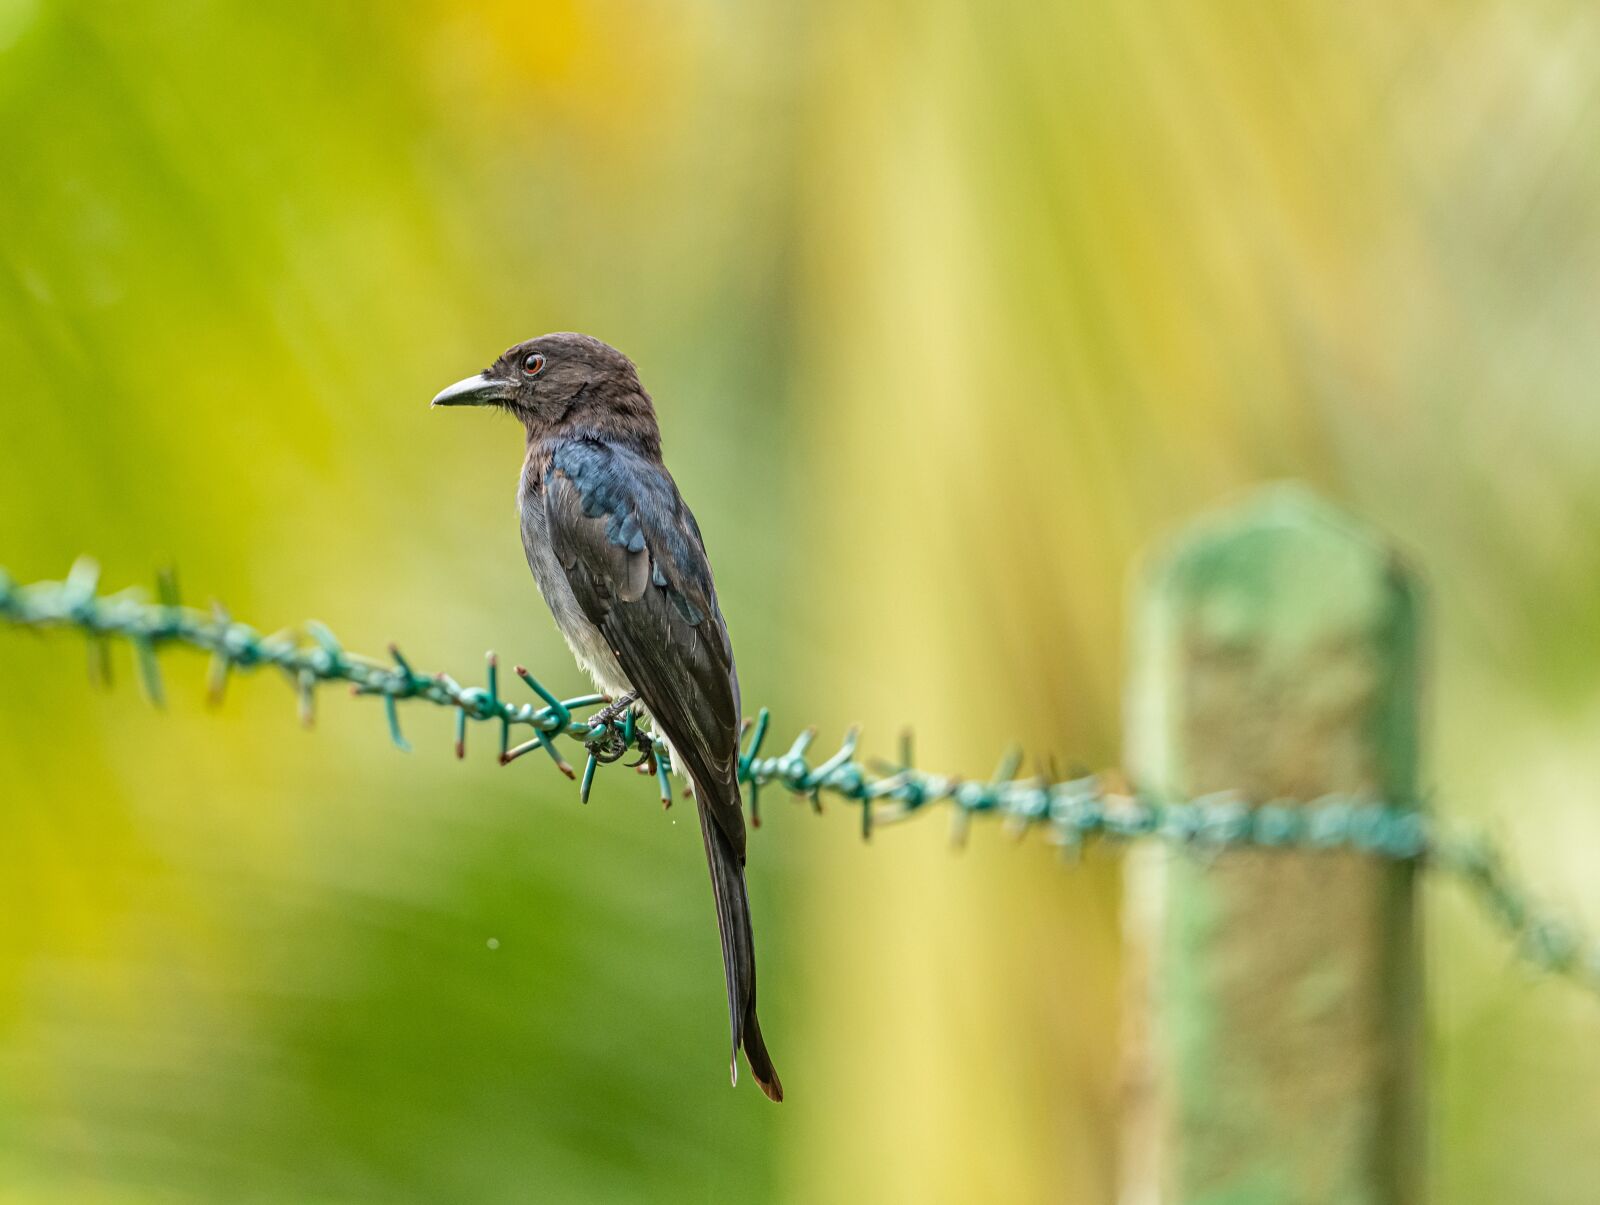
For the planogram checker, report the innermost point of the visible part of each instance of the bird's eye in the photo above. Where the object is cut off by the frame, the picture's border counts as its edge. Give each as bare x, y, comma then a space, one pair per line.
533, 365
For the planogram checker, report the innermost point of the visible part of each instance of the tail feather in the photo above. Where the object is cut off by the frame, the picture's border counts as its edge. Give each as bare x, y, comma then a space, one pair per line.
755, 1050
738, 954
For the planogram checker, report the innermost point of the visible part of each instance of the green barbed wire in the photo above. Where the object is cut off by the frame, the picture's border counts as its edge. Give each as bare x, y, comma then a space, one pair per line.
1074, 812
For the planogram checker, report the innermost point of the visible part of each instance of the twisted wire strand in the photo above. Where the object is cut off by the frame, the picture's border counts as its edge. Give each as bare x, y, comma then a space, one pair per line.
1074, 812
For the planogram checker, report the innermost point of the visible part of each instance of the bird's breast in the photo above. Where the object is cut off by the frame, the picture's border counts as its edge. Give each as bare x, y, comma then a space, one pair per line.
588, 646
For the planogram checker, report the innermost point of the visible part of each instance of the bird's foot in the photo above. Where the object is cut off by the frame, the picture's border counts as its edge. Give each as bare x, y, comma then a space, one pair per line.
607, 740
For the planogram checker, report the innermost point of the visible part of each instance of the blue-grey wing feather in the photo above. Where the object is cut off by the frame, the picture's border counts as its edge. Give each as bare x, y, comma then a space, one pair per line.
638, 569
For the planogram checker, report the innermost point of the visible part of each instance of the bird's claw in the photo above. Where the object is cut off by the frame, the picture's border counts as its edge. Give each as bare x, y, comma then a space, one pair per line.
646, 746
605, 744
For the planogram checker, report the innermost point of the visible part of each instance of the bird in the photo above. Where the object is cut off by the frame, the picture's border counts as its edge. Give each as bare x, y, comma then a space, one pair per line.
619, 559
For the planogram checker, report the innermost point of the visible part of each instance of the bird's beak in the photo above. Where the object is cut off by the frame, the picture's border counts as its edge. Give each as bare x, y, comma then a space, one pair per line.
481, 390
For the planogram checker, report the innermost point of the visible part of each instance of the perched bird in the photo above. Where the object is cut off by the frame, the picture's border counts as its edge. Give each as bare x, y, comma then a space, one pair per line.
619, 559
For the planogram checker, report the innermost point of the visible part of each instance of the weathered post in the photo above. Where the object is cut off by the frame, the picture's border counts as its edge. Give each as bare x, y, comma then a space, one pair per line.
1276, 994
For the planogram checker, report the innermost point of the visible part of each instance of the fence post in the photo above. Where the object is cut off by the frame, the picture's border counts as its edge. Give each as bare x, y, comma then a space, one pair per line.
1276, 1054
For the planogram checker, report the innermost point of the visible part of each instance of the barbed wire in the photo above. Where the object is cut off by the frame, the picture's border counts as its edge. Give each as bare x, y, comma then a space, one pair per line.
1073, 812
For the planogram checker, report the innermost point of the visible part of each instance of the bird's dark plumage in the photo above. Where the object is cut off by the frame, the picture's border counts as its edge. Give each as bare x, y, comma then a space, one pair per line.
620, 560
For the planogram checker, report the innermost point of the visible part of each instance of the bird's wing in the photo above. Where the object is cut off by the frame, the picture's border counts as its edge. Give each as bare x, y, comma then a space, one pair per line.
638, 569
637, 566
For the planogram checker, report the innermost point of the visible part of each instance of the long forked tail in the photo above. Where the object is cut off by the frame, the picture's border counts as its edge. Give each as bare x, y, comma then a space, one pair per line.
738, 955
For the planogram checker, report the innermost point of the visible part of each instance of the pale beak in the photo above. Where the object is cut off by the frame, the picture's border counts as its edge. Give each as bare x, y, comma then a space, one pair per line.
481, 390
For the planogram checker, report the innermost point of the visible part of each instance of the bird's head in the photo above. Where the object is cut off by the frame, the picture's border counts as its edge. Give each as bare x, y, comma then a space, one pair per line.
558, 381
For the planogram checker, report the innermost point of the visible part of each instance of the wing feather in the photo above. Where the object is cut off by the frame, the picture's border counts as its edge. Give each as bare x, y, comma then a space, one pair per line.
638, 569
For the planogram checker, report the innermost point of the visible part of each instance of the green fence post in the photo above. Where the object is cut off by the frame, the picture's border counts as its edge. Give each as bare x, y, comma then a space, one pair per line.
1275, 995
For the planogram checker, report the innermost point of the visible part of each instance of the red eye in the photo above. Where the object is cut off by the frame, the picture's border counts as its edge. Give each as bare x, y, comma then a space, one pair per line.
533, 364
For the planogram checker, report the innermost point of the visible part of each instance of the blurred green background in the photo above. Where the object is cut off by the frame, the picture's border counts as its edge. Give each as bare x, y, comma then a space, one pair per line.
949, 309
